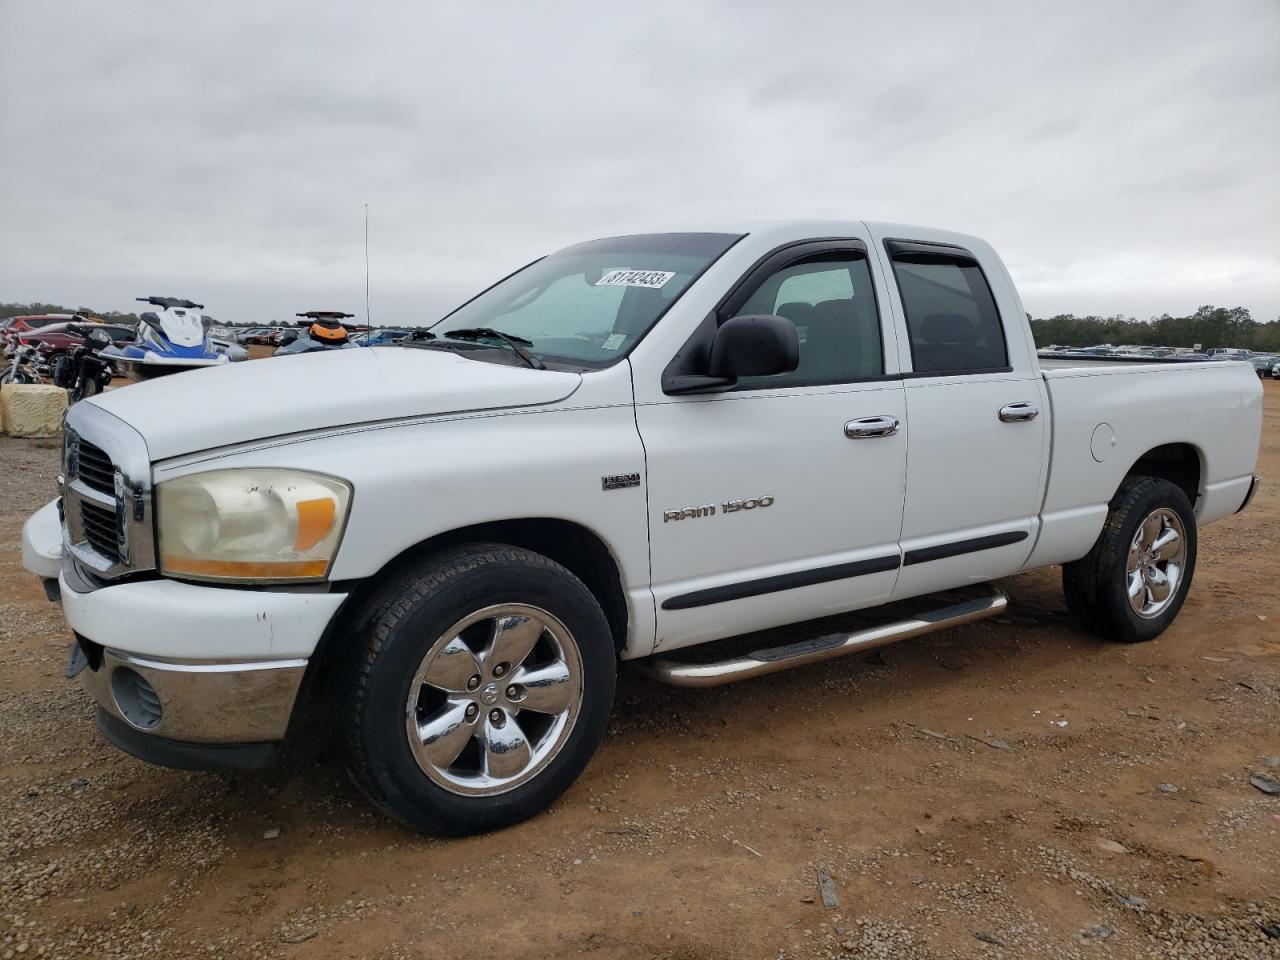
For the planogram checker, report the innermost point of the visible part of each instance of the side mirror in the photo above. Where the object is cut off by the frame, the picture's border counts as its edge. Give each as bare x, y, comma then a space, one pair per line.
754, 346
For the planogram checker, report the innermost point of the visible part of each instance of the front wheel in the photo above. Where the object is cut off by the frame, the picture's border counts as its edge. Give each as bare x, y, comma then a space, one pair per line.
476, 688
15, 376
1133, 582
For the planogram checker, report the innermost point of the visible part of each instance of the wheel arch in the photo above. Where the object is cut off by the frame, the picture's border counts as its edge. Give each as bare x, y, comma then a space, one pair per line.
574, 546
1182, 464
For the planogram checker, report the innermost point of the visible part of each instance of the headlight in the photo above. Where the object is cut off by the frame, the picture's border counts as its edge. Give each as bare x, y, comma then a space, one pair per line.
256, 524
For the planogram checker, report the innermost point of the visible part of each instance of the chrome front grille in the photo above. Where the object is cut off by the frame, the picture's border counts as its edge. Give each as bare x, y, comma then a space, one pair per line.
96, 469
101, 529
106, 493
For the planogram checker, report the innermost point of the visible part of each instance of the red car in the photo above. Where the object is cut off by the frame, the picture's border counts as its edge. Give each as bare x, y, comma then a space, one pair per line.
35, 321
54, 339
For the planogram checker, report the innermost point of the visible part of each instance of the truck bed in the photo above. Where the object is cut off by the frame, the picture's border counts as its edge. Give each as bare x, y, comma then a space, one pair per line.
1058, 361
1107, 413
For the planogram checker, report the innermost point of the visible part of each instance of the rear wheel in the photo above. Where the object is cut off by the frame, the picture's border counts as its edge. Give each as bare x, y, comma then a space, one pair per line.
478, 686
1133, 582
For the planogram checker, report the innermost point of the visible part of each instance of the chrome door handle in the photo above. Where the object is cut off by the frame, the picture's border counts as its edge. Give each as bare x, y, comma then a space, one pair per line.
1014, 412
871, 427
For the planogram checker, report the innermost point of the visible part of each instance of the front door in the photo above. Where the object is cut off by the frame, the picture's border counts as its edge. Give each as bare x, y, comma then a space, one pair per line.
781, 500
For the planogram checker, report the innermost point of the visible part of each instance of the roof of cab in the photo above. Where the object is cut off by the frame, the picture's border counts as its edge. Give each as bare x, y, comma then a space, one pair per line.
801, 229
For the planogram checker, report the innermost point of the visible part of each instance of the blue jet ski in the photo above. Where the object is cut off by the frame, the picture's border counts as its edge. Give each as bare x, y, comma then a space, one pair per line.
170, 339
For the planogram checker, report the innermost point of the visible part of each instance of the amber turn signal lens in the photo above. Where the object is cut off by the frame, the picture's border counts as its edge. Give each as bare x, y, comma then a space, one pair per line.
315, 519
283, 569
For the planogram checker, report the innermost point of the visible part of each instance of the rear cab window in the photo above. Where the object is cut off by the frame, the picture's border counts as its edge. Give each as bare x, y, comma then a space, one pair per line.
953, 325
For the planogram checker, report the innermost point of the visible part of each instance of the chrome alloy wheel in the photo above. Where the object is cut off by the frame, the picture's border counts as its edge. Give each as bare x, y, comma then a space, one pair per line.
494, 699
1157, 559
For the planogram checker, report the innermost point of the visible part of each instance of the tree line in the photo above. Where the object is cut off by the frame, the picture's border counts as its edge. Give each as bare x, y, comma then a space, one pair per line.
1209, 327
115, 316
34, 309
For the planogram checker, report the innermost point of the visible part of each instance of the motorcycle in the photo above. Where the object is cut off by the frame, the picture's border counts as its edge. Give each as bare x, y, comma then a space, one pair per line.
85, 370
171, 339
24, 364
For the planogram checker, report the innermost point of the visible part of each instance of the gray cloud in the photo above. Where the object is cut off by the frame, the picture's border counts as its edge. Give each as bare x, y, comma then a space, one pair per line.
1121, 156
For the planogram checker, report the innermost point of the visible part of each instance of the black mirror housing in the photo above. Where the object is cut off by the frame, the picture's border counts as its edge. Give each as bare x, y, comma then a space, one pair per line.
754, 346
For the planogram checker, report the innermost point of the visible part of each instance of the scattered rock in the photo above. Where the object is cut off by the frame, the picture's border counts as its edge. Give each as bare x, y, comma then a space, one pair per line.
1136, 902
1167, 788
271, 833
827, 887
1111, 846
1097, 931
807, 899
988, 938
1268, 785
301, 937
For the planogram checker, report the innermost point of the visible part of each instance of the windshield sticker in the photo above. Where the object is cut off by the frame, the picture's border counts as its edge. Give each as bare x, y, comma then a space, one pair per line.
614, 341
650, 279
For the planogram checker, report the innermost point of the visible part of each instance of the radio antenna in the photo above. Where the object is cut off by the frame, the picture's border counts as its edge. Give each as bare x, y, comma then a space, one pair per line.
367, 322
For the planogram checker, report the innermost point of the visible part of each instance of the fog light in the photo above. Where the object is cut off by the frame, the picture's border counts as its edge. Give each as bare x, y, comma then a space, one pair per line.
136, 699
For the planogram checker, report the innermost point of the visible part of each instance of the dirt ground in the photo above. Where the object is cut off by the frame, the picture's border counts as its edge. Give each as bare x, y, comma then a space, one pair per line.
1015, 788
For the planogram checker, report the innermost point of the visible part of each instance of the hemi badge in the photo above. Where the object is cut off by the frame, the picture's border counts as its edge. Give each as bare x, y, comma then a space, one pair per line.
620, 481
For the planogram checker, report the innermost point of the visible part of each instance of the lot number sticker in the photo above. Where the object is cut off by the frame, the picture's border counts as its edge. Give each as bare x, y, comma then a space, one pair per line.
651, 279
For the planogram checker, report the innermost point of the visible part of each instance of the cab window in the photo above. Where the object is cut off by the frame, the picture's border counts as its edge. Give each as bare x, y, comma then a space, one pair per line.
952, 320
831, 300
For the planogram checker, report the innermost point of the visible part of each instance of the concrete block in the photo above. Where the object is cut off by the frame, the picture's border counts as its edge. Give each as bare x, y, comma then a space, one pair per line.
32, 409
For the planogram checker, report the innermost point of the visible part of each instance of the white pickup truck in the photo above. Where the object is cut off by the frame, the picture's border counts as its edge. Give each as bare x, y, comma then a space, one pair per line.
625, 449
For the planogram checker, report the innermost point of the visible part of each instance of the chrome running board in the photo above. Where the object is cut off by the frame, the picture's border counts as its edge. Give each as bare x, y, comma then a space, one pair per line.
773, 659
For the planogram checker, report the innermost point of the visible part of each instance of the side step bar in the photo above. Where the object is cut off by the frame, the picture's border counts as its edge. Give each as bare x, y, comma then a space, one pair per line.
773, 659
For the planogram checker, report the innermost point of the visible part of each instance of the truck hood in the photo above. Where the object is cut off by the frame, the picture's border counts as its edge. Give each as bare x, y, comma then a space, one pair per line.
252, 400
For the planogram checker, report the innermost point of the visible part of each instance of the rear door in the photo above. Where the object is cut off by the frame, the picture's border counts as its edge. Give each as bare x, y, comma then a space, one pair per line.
781, 499
977, 443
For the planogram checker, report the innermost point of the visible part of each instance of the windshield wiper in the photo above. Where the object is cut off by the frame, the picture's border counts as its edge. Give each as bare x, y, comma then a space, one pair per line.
517, 344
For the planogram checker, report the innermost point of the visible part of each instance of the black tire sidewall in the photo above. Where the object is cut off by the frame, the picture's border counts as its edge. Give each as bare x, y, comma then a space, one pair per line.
407, 632
1124, 622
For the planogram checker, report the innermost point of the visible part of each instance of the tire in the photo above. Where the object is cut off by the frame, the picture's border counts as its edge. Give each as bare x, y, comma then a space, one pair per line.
1098, 586
414, 638
58, 371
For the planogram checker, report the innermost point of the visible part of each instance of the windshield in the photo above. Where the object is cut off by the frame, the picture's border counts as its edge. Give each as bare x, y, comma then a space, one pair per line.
589, 304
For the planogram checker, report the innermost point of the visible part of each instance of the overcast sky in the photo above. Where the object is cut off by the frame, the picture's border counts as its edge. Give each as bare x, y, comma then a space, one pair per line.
1123, 157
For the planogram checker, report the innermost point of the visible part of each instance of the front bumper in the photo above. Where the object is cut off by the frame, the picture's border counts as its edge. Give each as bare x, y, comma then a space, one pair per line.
42, 542
174, 666
195, 702
1248, 497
